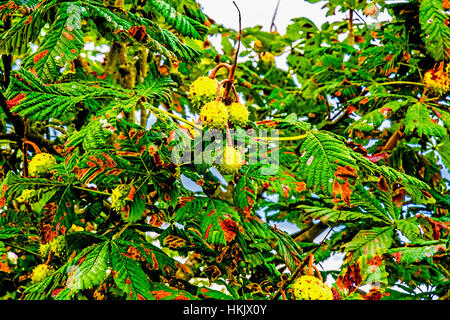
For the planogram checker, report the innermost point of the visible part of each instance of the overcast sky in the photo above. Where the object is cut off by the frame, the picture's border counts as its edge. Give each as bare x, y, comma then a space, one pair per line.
260, 12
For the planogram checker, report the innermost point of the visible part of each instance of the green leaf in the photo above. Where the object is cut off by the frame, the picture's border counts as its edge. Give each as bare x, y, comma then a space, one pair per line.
91, 268
444, 151
16, 39
373, 119
300, 28
435, 31
219, 222
184, 25
90, 137
289, 251
62, 44
329, 215
410, 255
158, 39
410, 228
418, 118
158, 88
369, 202
245, 193
370, 242
189, 207
9, 232
321, 155
65, 294
128, 274
163, 292
29, 97
416, 188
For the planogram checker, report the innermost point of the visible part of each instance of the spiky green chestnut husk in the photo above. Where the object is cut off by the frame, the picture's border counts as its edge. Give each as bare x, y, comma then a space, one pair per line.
214, 114
119, 196
41, 272
232, 161
26, 195
238, 114
41, 164
268, 60
44, 249
201, 91
58, 245
311, 288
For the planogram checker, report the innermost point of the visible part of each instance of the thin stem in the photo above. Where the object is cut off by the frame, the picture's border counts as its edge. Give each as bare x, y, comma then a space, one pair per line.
350, 26
229, 140
34, 145
216, 68
24, 150
235, 92
91, 190
273, 27
117, 235
177, 118
23, 249
226, 94
293, 138
401, 82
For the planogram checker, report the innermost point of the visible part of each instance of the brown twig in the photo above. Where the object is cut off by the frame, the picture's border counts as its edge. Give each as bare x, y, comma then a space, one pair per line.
226, 95
34, 145
7, 59
228, 134
24, 151
273, 27
393, 140
216, 69
350, 26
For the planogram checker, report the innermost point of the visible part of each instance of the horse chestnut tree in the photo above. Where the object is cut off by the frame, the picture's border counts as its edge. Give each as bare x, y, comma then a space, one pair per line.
163, 167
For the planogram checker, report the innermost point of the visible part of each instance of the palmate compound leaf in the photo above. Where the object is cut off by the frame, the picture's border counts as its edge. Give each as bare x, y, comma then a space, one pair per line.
29, 97
128, 274
62, 44
153, 88
59, 199
326, 165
